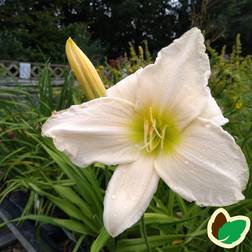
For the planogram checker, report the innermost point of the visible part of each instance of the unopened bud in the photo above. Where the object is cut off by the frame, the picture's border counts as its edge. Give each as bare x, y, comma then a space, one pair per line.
84, 71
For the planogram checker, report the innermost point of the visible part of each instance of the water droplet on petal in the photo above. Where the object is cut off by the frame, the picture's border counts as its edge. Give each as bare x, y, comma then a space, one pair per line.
113, 196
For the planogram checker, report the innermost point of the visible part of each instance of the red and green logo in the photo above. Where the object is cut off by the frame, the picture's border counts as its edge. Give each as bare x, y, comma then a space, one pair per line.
226, 231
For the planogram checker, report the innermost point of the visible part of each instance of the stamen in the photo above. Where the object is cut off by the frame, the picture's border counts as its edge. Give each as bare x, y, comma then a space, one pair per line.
155, 143
151, 115
154, 131
163, 136
155, 128
151, 139
146, 132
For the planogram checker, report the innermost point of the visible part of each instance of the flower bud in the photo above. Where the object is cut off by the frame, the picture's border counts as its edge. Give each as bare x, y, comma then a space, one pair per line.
84, 71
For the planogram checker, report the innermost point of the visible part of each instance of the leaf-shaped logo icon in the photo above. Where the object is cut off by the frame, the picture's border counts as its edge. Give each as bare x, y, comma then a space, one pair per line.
226, 231
231, 231
220, 219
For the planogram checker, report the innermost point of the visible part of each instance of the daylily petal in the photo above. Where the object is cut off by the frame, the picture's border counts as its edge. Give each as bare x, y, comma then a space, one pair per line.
213, 112
207, 167
126, 88
177, 81
95, 131
128, 194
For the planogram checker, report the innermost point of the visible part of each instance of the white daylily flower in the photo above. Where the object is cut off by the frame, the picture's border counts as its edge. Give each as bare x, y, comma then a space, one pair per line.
160, 122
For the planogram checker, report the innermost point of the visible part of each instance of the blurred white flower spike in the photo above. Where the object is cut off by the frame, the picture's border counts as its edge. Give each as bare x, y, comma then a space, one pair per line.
160, 122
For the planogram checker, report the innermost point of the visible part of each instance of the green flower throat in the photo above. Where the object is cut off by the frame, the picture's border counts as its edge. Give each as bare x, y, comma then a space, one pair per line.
154, 132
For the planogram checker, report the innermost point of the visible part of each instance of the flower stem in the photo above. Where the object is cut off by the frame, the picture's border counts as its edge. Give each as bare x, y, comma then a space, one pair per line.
144, 234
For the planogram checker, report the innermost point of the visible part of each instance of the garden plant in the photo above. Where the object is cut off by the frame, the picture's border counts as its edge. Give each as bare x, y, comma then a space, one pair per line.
61, 193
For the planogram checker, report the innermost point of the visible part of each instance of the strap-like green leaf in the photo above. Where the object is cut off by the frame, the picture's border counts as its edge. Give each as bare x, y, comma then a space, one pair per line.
69, 224
100, 241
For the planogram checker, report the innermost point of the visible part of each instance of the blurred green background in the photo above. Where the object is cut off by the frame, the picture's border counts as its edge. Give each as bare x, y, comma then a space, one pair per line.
35, 31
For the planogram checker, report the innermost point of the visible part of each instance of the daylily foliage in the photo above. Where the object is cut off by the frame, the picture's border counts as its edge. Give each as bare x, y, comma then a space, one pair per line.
160, 122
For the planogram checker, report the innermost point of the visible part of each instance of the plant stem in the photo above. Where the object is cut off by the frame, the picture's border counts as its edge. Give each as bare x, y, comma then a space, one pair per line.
144, 234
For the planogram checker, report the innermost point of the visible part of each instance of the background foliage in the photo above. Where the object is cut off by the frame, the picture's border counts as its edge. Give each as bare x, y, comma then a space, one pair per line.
37, 30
